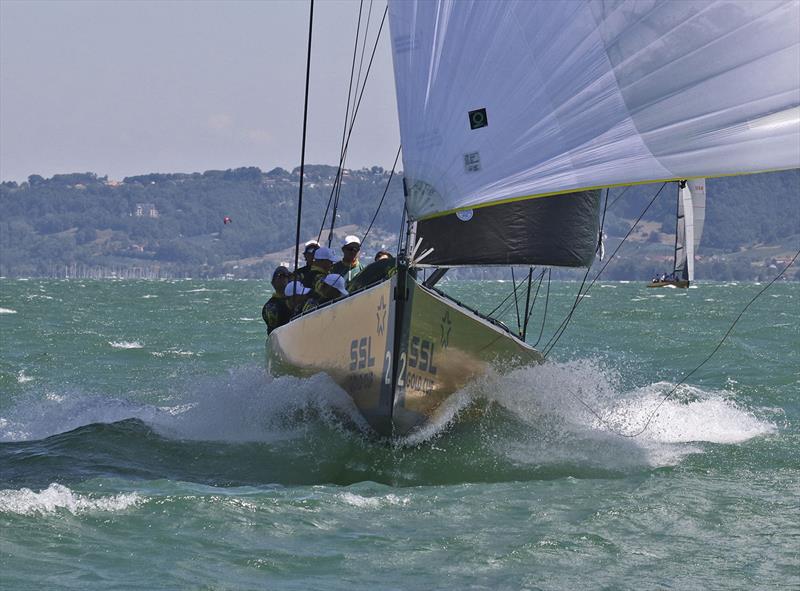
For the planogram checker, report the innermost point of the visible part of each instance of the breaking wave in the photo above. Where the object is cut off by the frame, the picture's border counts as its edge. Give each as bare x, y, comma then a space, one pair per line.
548, 421
59, 497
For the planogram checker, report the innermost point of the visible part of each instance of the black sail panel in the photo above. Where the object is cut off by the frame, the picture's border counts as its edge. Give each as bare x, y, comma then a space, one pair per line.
560, 230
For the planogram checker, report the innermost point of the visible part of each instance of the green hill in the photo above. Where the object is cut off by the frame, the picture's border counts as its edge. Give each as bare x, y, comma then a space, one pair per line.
169, 225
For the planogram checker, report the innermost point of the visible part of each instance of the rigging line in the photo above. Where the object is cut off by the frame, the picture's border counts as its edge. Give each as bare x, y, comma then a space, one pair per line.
602, 225
528, 306
563, 326
386, 190
530, 310
303, 149
546, 301
358, 103
364, 45
503, 302
505, 310
564, 323
674, 389
516, 301
618, 197
337, 179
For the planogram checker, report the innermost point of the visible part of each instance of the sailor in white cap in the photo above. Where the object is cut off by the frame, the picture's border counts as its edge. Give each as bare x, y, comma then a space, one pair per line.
330, 288
296, 296
323, 261
349, 266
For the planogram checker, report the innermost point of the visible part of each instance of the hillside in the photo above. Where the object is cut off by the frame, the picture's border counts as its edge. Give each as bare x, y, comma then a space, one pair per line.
172, 225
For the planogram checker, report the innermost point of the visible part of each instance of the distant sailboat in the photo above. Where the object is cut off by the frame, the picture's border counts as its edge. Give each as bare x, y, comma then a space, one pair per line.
512, 116
690, 218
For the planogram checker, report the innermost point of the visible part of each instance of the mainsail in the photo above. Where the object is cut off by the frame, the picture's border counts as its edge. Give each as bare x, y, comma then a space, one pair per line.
501, 102
689, 227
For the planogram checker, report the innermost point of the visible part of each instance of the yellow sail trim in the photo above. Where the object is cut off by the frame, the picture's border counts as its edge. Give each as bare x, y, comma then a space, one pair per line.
576, 190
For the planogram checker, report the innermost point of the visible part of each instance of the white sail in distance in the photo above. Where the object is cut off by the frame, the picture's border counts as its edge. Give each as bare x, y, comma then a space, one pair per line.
508, 100
697, 189
689, 230
684, 236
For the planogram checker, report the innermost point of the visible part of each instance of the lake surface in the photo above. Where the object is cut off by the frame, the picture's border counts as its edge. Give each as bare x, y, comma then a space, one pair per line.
143, 446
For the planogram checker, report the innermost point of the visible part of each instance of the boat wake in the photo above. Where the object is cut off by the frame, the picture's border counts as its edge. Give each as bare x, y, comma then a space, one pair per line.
246, 428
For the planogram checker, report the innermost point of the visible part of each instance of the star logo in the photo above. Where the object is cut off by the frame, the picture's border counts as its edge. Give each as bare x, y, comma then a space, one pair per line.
445, 327
381, 315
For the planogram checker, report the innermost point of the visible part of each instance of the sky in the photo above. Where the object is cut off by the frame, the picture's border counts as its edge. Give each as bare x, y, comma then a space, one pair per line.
124, 88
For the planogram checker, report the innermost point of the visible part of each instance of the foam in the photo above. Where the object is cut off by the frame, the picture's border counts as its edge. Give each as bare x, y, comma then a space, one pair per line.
174, 352
536, 415
58, 497
372, 502
126, 344
7, 311
558, 405
250, 405
246, 404
689, 415
52, 413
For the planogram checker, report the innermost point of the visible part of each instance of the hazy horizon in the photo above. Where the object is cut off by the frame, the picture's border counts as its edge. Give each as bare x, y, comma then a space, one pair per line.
129, 88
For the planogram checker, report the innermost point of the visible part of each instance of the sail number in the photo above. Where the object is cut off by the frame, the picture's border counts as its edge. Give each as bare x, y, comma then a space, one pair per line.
420, 355
361, 353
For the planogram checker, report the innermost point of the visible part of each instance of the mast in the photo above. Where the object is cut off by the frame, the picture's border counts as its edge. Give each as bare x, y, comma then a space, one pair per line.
303, 149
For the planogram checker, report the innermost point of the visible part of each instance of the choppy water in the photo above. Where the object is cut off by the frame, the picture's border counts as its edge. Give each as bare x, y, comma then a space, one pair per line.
144, 447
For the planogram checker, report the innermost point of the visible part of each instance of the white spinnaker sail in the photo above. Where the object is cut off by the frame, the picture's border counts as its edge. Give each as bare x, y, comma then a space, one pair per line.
502, 100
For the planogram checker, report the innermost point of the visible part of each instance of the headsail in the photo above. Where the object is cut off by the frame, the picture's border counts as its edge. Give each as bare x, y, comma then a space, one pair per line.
689, 228
559, 232
502, 101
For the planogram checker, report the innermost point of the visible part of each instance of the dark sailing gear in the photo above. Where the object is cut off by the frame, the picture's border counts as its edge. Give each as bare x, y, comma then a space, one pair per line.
349, 272
374, 273
276, 312
303, 275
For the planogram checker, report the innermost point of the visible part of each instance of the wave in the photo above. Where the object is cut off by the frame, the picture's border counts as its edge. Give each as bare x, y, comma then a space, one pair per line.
7, 311
126, 344
58, 497
247, 428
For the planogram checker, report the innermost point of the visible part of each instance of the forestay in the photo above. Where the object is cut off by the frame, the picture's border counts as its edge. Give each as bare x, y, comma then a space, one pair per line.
502, 101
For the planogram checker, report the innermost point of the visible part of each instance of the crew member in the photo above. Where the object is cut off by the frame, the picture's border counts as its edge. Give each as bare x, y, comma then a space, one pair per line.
349, 267
384, 267
276, 311
330, 288
308, 254
296, 296
323, 261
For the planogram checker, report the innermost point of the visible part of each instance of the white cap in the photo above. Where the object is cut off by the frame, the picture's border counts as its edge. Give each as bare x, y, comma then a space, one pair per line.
352, 240
311, 243
336, 281
323, 254
295, 288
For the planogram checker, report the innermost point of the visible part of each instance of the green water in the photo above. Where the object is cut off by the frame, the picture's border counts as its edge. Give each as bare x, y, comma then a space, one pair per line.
143, 447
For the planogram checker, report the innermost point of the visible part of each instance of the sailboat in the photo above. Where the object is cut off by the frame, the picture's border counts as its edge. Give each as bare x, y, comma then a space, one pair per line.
513, 116
690, 218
